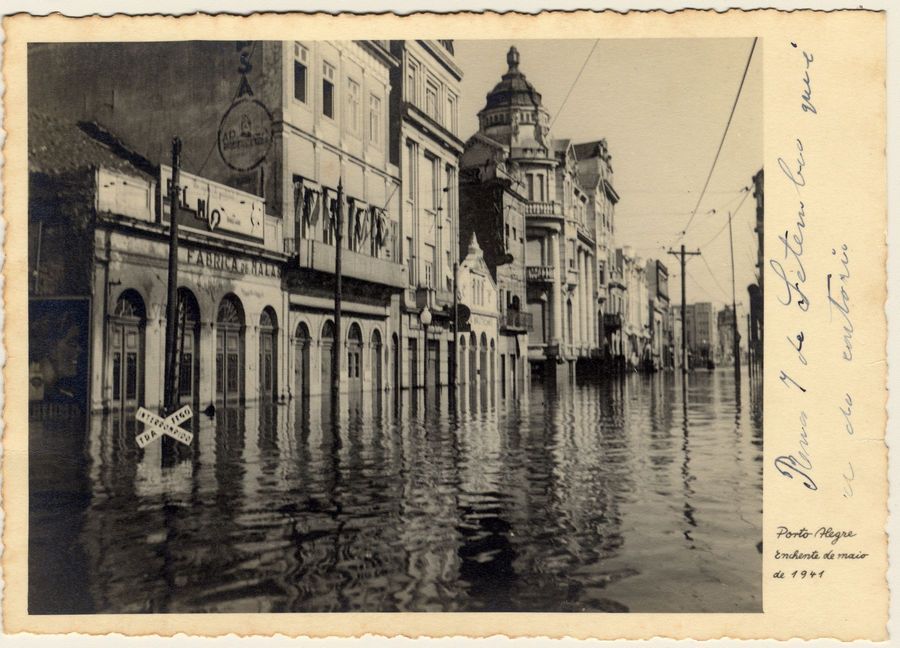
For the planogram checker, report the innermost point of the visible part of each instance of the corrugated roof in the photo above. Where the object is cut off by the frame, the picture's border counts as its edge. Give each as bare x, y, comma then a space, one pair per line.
57, 146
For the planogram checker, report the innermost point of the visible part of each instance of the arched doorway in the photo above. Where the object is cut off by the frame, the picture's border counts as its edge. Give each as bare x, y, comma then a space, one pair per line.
326, 348
376, 360
395, 368
493, 376
268, 355
189, 347
473, 366
354, 359
569, 323
461, 371
125, 363
230, 351
483, 366
301, 360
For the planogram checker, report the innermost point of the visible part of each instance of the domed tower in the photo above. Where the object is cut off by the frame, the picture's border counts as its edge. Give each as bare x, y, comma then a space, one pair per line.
513, 114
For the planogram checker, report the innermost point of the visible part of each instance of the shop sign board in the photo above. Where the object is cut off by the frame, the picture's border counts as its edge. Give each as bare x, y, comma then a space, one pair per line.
213, 208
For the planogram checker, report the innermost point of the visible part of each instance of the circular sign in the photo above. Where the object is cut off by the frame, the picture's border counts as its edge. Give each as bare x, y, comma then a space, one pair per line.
245, 134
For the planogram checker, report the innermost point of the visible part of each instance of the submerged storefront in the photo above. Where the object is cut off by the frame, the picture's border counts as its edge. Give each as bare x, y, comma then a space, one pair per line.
99, 233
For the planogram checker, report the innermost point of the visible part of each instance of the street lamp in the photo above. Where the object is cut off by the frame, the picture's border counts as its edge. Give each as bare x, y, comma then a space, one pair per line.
425, 320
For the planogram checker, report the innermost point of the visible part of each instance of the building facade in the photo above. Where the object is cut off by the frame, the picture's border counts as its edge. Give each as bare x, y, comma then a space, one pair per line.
317, 114
424, 141
701, 330
595, 175
99, 228
493, 208
480, 364
661, 345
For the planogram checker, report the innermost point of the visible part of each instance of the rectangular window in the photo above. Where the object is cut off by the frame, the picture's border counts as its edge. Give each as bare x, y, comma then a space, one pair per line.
451, 113
375, 120
530, 179
411, 170
410, 261
432, 108
428, 183
412, 82
300, 77
328, 90
353, 121
219, 378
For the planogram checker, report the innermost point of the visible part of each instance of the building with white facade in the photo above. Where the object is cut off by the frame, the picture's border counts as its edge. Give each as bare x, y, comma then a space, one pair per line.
424, 141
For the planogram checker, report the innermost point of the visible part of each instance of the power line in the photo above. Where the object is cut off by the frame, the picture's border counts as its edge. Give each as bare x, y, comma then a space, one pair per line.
712, 274
722, 141
572, 87
725, 226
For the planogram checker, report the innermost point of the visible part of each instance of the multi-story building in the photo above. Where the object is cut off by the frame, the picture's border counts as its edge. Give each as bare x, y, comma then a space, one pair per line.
595, 174
558, 236
636, 322
425, 91
478, 358
492, 207
582, 332
294, 126
701, 330
658, 312
675, 331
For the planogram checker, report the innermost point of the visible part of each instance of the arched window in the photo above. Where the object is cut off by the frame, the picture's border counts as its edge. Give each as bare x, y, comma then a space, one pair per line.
230, 351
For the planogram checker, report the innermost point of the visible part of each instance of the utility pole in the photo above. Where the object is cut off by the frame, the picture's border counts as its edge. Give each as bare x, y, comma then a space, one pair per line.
736, 344
683, 258
171, 365
336, 349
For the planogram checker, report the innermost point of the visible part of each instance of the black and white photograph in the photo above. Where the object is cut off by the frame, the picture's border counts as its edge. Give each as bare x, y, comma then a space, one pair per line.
395, 325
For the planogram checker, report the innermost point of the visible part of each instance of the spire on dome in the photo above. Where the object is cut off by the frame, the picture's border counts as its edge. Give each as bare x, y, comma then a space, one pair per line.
512, 59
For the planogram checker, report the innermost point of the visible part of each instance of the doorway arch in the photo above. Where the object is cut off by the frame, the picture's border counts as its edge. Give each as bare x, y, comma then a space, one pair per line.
302, 342
125, 364
354, 358
230, 351
326, 349
268, 355
375, 348
189, 346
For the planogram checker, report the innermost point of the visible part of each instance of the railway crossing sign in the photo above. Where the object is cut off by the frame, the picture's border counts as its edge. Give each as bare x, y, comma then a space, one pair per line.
156, 426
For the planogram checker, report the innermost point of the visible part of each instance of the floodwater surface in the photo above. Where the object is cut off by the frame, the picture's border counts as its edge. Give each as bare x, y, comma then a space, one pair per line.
636, 493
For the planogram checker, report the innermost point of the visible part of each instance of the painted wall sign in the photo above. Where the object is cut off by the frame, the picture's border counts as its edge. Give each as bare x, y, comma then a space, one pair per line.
206, 260
212, 207
245, 134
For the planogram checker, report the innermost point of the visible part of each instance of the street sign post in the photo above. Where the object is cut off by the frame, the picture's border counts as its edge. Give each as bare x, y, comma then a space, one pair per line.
156, 426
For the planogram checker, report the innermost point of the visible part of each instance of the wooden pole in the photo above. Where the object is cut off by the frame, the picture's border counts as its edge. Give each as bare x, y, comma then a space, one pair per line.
170, 388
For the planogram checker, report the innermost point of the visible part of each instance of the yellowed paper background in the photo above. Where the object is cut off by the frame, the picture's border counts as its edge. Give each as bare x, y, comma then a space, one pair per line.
844, 203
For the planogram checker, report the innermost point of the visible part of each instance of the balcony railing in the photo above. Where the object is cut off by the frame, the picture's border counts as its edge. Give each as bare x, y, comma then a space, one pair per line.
513, 319
539, 273
534, 208
612, 321
319, 256
436, 300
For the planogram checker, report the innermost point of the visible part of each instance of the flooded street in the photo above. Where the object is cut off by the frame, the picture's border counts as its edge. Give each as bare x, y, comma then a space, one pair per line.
616, 495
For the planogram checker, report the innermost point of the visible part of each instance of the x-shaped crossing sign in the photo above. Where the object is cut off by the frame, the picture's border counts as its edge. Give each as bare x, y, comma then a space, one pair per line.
156, 426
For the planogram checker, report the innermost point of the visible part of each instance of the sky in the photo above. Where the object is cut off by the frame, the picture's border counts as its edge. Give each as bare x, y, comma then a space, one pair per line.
662, 105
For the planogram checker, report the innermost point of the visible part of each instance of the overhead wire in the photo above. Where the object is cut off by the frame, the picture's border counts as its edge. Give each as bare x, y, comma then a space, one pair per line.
574, 83
722, 141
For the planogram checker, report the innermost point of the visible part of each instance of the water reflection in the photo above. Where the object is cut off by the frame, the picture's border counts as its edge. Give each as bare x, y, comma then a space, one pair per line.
639, 494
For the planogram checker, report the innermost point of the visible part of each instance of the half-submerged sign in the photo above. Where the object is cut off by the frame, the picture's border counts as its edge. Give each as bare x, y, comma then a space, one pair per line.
157, 426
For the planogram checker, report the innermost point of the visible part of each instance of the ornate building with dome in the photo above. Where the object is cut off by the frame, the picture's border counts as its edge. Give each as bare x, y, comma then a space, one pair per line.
521, 191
